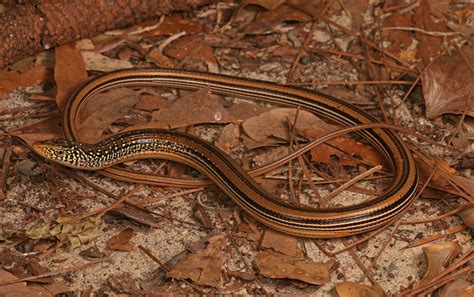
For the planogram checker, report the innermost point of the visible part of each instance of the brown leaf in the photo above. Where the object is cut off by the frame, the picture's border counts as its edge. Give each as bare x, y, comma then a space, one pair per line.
348, 151
438, 256
69, 71
98, 62
195, 49
229, 139
429, 45
467, 215
195, 108
268, 20
448, 83
20, 289
351, 289
399, 40
121, 242
279, 242
271, 127
151, 102
101, 111
356, 8
203, 266
275, 265
175, 24
245, 110
457, 288
313, 8
12, 80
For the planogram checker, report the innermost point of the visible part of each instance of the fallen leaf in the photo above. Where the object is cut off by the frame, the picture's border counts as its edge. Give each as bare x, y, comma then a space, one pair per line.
245, 110
229, 138
448, 83
457, 288
121, 242
175, 24
195, 49
101, 111
266, 21
271, 127
69, 72
151, 102
21, 288
12, 80
203, 266
275, 265
98, 62
356, 8
429, 45
348, 151
438, 256
399, 39
280, 242
195, 108
467, 215
351, 289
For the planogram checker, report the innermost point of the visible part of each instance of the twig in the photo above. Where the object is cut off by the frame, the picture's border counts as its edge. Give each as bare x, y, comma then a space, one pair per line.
48, 274
352, 181
436, 237
432, 33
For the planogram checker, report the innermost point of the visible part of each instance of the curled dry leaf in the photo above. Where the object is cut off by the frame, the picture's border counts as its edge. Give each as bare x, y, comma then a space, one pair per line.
105, 108
272, 127
438, 256
12, 80
276, 265
203, 266
279, 242
69, 71
121, 242
448, 83
229, 139
351, 289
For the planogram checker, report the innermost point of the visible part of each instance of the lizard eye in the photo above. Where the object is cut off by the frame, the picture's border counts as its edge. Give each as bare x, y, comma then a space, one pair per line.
59, 152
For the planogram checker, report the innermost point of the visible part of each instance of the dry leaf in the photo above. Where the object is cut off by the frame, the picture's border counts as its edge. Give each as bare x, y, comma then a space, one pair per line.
195, 108
351, 289
175, 24
12, 80
203, 266
20, 289
245, 110
279, 242
229, 139
399, 39
467, 215
448, 83
429, 45
121, 242
275, 265
104, 109
195, 49
69, 72
271, 127
151, 102
348, 151
457, 288
268, 20
98, 62
438, 256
